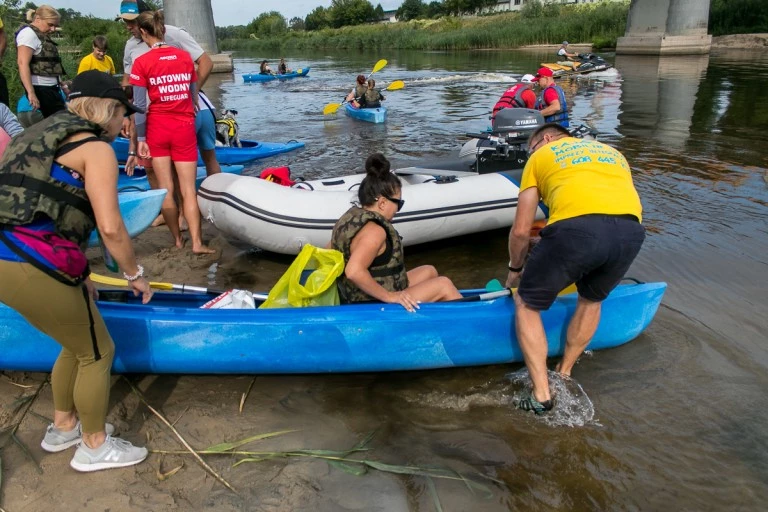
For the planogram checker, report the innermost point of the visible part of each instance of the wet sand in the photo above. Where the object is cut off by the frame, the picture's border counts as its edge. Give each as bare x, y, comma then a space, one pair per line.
205, 410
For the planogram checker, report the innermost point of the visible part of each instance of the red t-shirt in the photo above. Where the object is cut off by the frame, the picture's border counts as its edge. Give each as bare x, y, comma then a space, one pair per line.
550, 95
167, 73
529, 97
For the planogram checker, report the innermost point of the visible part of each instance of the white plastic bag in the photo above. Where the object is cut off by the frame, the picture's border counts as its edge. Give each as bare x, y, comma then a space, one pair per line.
232, 299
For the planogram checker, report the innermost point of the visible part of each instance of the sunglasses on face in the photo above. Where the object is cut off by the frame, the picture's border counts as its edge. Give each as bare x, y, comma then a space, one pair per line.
399, 202
533, 148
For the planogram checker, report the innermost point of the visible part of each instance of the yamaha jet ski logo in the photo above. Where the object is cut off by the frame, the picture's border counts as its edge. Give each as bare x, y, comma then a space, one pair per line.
520, 122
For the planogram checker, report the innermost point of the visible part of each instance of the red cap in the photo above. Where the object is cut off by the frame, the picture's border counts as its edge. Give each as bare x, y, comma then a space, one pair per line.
543, 72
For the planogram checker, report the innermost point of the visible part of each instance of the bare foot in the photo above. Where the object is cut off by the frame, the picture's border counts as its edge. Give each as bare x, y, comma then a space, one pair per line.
558, 369
183, 224
159, 221
203, 249
179, 243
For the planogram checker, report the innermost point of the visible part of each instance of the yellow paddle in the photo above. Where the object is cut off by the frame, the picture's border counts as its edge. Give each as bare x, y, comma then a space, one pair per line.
113, 281
333, 107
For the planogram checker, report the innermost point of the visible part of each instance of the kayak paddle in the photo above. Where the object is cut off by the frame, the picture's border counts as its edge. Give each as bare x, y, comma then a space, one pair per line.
333, 107
113, 281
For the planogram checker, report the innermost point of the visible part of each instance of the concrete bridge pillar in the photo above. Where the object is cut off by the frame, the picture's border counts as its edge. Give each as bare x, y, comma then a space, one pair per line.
666, 27
196, 17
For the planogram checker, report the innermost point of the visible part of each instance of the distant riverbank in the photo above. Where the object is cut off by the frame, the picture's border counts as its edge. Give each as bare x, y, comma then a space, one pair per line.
599, 24
747, 41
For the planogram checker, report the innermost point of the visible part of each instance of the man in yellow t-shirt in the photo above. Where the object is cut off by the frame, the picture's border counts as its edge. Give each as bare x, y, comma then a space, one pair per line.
98, 59
592, 237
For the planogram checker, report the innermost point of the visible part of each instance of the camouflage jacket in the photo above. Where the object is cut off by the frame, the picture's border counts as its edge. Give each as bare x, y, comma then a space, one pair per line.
372, 98
387, 269
27, 190
47, 62
360, 91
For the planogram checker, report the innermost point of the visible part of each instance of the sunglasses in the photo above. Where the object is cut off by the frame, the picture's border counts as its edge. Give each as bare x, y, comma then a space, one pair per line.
532, 149
399, 202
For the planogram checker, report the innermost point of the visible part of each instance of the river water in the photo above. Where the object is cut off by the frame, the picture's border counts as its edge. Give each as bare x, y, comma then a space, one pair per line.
675, 419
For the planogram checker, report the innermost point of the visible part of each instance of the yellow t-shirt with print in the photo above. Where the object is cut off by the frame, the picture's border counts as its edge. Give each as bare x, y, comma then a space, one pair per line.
580, 177
90, 62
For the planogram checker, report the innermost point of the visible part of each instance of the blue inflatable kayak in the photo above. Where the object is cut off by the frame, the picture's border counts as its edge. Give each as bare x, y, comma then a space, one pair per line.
139, 182
251, 150
138, 210
258, 77
172, 335
371, 115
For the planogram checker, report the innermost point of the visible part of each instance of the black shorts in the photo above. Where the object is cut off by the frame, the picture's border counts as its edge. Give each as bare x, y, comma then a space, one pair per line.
593, 251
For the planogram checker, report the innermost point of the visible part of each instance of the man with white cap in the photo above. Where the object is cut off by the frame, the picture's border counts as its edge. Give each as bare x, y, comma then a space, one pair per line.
520, 95
179, 38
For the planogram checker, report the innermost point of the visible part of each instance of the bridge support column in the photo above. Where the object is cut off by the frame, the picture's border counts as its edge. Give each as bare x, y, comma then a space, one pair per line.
196, 17
666, 27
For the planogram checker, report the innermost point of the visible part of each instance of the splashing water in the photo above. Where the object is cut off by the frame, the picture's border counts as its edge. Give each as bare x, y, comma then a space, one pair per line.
573, 408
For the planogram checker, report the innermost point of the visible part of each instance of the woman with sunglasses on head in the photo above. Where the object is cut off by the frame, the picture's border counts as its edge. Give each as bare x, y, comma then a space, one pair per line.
58, 180
373, 252
38, 60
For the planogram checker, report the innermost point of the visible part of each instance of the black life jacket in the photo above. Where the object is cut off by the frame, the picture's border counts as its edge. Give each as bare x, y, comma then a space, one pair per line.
387, 269
47, 62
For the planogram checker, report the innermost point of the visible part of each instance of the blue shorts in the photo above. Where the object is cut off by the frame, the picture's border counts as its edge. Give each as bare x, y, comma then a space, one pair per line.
593, 251
205, 126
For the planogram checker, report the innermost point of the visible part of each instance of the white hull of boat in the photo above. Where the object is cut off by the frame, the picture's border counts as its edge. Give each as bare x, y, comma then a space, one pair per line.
283, 219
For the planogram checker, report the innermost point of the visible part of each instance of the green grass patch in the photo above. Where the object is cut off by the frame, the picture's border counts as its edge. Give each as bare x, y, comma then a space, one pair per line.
602, 22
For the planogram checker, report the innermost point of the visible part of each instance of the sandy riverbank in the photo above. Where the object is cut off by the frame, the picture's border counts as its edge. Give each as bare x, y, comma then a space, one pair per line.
748, 41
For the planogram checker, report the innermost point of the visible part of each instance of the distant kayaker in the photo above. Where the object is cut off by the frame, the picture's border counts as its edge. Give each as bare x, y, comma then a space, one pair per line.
264, 69
358, 92
551, 101
373, 251
520, 95
372, 97
592, 237
282, 68
58, 181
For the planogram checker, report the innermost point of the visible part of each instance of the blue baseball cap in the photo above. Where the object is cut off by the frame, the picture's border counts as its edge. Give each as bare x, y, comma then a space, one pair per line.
130, 9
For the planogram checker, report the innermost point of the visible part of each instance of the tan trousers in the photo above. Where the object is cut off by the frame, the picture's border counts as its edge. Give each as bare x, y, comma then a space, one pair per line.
81, 376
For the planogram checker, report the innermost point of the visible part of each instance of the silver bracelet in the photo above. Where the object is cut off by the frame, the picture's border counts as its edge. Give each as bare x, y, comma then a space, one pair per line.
139, 273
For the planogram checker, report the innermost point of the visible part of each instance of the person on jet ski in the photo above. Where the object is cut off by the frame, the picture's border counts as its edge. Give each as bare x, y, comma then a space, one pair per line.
551, 101
569, 59
520, 95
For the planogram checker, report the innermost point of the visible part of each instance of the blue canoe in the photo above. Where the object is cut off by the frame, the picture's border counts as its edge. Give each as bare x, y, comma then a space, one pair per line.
258, 77
251, 150
371, 115
138, 182
171, 335
138, 209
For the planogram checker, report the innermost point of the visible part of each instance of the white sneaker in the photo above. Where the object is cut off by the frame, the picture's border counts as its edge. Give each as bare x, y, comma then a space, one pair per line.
56, 440
114, 453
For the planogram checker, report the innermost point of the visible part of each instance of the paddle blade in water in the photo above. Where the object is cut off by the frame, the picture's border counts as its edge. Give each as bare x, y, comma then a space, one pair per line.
331, 108
396, 85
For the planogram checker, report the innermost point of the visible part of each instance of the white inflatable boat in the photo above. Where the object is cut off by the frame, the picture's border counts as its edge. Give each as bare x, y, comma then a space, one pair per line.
282, 219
